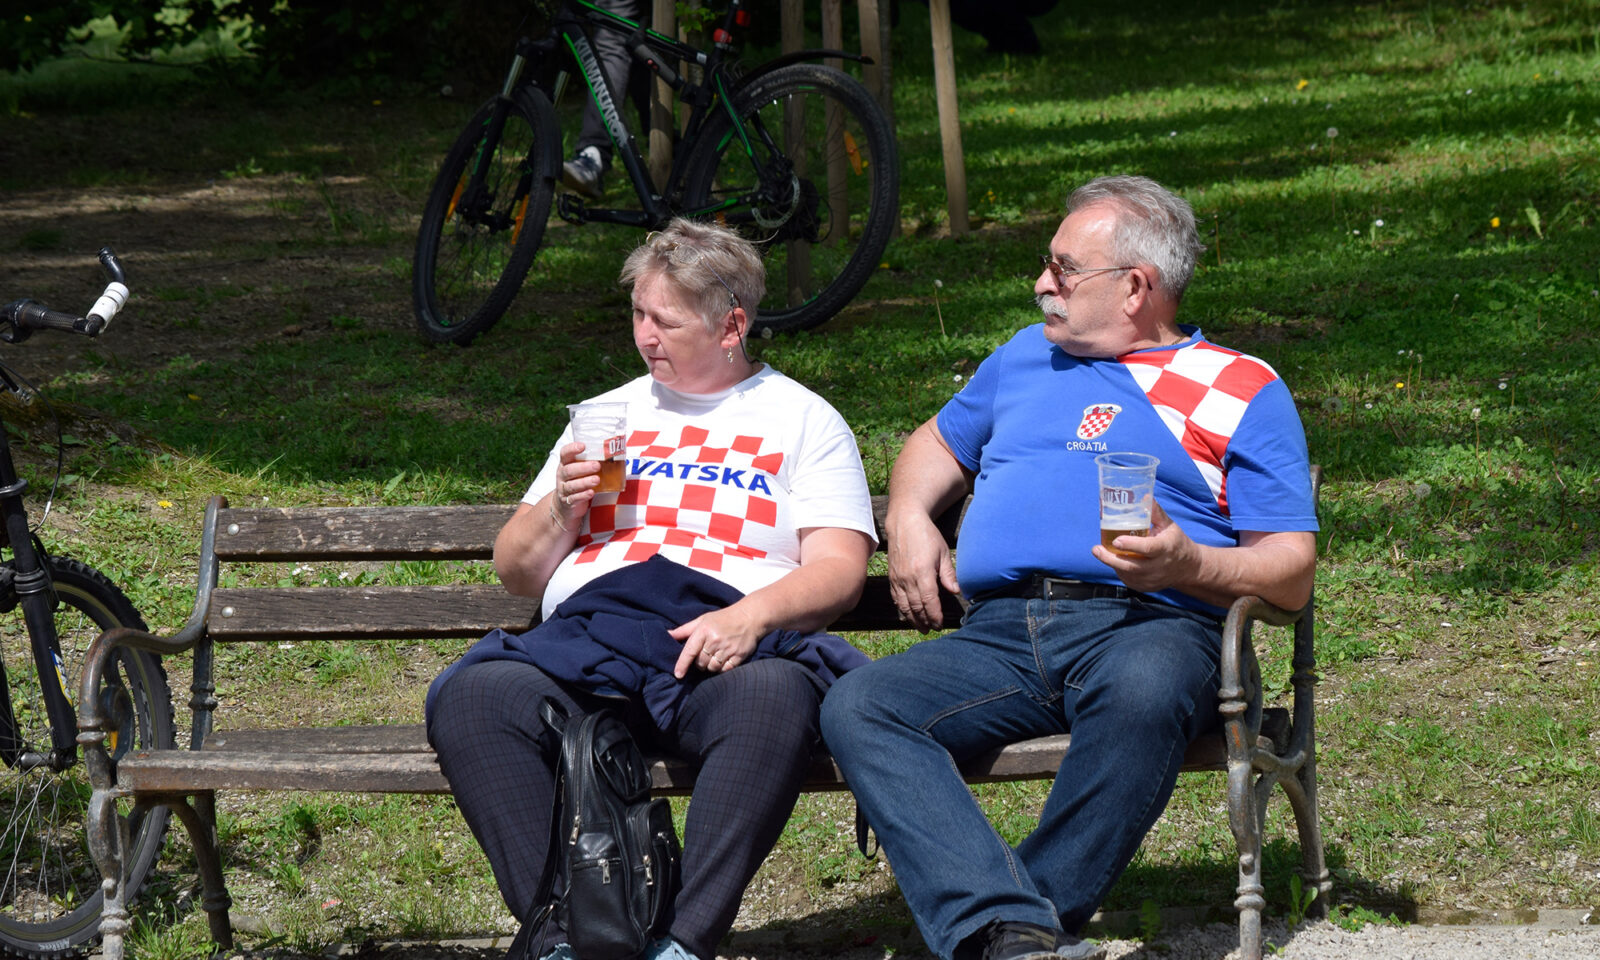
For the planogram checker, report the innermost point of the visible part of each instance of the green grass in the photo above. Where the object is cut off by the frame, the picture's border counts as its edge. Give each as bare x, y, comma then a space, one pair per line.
1427, 280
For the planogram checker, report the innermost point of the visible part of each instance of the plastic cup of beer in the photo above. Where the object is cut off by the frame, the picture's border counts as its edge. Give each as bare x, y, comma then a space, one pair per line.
602, 428
1127, 491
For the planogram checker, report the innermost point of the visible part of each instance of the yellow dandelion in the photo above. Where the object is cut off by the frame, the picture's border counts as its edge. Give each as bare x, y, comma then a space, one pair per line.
1494, 223
1302, 84
1399, 384
194, 396
884, 265
164, 504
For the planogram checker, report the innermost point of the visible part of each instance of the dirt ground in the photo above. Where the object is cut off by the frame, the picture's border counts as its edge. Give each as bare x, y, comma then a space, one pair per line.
214, 267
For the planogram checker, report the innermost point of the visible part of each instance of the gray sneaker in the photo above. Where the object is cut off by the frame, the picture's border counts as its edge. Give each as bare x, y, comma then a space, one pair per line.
1071, 948
584, 172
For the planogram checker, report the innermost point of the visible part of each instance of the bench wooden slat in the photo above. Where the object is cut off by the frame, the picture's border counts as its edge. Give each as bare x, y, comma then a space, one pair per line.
302, 534
259, 614
462, 532
362, 613
397, 759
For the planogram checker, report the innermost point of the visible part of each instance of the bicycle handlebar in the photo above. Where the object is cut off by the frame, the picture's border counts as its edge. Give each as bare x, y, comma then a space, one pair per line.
22, 317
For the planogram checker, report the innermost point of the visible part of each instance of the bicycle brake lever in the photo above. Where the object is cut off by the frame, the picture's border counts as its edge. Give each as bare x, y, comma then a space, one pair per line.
643, 53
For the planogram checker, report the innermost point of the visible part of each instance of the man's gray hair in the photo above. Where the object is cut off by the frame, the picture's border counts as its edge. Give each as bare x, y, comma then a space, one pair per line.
1154, 226
706, 263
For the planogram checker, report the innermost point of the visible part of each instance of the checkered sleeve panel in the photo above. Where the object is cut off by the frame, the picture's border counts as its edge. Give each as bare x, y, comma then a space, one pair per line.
1201, 393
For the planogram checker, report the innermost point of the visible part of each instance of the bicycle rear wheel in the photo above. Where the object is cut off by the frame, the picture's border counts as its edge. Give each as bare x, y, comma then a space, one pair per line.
50, 896
817, 189
475, 247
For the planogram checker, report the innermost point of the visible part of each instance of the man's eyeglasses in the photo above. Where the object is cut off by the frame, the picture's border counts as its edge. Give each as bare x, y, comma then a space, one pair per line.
684, 255
1061, 272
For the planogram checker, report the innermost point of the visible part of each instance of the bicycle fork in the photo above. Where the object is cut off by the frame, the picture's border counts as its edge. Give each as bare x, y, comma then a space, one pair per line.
30, 584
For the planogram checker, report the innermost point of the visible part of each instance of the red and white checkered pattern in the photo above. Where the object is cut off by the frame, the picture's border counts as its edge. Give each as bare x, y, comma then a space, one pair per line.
1201, 392
673, 509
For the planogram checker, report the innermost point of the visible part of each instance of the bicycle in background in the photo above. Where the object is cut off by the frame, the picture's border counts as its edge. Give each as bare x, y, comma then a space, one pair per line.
795, 155
51, 609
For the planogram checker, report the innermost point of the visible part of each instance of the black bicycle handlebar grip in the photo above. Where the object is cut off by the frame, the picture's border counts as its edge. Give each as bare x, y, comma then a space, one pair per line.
36, 316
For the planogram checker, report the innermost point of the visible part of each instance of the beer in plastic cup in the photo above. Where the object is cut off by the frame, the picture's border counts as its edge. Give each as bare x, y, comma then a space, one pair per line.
602, 428
1127, 491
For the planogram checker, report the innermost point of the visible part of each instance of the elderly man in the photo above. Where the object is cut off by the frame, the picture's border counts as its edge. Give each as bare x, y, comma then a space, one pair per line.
1120, 649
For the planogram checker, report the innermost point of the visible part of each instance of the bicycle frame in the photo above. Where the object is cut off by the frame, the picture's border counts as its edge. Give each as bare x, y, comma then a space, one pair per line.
571, 30
36, 594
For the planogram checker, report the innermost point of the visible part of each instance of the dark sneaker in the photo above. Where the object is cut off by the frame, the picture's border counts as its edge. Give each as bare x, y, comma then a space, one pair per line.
1020, 941
584, 172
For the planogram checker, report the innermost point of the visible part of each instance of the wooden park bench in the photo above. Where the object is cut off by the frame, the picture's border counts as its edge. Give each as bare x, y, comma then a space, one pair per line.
1257, 747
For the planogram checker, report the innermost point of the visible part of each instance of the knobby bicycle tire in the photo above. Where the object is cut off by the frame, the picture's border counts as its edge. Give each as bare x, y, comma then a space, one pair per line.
473, 253
827, 200
50, 896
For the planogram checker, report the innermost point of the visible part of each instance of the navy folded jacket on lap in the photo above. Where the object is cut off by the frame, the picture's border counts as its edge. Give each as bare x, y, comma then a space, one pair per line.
611, 637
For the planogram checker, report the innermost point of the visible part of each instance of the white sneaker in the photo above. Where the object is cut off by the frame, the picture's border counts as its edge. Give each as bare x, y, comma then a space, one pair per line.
584, 171
668, 948
561, 952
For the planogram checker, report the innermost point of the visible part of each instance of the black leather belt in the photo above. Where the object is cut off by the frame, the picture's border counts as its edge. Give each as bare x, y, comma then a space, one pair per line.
1041, 587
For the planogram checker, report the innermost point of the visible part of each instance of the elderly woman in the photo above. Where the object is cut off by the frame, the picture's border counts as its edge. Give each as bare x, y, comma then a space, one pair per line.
738, 476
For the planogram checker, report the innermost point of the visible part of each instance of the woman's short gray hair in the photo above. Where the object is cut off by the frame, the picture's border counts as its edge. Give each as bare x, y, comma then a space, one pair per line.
1154, 226
708, 264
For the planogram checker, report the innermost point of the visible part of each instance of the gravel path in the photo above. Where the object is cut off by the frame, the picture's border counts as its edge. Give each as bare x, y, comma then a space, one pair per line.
1572, 938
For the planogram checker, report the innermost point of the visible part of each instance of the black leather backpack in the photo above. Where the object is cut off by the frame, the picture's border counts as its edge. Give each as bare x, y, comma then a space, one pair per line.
613, 869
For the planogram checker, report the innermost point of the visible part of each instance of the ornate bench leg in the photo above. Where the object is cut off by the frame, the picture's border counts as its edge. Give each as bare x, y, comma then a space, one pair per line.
108, 838
200, 820
1302, 793
1244, 818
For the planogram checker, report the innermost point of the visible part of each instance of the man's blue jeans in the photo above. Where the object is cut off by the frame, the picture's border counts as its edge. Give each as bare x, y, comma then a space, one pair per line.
1132, 681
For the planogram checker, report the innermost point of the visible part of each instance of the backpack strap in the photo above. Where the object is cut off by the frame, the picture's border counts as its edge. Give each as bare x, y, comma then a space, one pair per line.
555, 718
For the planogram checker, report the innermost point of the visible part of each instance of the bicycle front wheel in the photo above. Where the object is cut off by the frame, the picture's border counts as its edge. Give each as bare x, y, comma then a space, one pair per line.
50, 896
477, 242
812, 178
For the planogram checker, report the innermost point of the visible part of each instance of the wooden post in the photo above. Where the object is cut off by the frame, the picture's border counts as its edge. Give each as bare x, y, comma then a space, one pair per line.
838, 212
798, 261
875, 46
944, 85
664, 19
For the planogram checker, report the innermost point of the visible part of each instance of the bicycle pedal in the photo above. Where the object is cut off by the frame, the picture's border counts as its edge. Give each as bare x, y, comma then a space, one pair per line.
569, 207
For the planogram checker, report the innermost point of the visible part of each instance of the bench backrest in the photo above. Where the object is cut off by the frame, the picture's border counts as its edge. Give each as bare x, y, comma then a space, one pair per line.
384, 534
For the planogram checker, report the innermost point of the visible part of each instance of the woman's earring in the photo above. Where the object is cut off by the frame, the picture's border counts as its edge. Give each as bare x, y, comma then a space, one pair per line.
730, 354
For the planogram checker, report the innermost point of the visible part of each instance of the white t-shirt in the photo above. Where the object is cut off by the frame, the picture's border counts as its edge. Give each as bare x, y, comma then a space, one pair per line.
721, 483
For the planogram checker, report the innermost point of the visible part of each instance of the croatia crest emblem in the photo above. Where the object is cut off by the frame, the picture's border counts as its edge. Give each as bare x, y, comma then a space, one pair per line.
1097, 420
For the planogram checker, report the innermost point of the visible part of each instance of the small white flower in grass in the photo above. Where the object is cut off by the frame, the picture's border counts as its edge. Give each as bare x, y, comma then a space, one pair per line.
1369, 406
1377, 223
1469, 91
1502, 384
1477, 412
958, 378
1333, 133
1173, 134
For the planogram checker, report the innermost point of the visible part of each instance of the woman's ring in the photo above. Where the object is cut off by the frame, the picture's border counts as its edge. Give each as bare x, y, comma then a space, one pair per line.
715, 658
